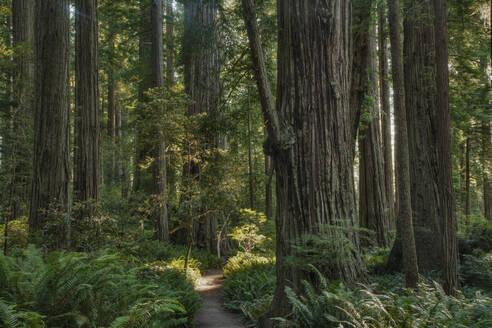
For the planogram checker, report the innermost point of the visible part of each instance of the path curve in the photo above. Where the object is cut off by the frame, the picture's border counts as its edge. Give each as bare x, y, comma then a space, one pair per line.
212, 314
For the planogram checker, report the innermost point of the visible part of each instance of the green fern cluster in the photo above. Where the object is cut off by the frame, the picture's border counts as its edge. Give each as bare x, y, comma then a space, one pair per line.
249, 285
78, 290
335, 306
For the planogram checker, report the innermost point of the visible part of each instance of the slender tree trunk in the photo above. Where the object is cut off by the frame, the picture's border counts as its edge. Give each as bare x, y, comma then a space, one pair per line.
313, 152
23, 105
268, 187
51, 169
448, 223
144, 143
386, 110
112, 109
407, 241
373, 205
467, 177
172, 174
160, 177
250, 160
86, 185
487, 170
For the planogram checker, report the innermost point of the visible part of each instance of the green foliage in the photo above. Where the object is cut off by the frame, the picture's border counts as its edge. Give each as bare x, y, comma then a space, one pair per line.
335, 306
78, 290
476, 270
475, 232
249, 285
17, 233
376, 258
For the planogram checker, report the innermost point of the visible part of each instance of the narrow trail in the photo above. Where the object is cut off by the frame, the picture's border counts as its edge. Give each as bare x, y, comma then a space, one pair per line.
213, 315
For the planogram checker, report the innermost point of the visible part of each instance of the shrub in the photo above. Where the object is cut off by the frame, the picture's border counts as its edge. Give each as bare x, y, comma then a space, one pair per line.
17, 233
249, 284
476, 270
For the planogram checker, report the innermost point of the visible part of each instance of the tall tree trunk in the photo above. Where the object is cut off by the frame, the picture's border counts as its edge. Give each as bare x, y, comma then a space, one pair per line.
386, 110
406, 242
373, 205
487, 170
202, 77
266, 96
313, 154
172, 174
86, 184
110, 166
447, 213
467, 177
23, 104
421, 105
160, 177
51, 168
250, 160
143, 175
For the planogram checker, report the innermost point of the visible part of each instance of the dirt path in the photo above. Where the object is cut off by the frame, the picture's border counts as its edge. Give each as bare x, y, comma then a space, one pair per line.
213, 315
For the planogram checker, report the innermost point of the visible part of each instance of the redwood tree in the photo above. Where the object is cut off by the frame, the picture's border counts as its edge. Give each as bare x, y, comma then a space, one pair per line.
51, 168
87, 138
311, 138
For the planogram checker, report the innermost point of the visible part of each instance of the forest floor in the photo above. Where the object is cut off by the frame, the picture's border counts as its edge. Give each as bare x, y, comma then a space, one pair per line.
212, 314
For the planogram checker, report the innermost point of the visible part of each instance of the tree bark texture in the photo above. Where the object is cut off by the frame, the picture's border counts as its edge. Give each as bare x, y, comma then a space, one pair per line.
374, 209
447, 210
51, 168
384, 96
315, 181
160, 173
87, 139
23, 100
405, 241
202, 78
421, 105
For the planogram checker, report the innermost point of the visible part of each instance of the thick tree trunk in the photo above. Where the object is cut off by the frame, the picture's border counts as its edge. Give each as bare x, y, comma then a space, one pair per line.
421, 105
314, 166
51, 169
487, 170
23, 104
171, 170
373, 206
384, 96
447, 209
160, 176
202, 77
405, 242
87, 150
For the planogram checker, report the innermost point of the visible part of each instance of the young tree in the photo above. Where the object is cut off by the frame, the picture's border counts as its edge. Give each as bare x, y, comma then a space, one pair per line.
51, 168
87, 138
406, 240
310, 136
